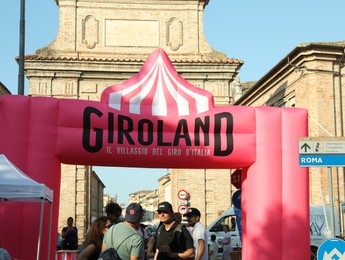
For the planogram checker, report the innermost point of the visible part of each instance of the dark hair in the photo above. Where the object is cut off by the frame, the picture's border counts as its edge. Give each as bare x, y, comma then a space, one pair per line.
95, 235
213, 237
113, 208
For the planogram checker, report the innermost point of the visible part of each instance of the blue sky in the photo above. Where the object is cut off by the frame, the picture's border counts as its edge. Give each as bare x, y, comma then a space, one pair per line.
260, 33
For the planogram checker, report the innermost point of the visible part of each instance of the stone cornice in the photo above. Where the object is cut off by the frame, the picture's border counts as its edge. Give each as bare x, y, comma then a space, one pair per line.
88, 59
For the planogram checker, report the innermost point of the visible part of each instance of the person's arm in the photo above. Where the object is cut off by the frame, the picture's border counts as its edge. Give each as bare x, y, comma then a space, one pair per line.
64, 232
210, 251
104, 247
156, 254
150, 246
136, 247
201, 248
226, 241
87, 252
189, 253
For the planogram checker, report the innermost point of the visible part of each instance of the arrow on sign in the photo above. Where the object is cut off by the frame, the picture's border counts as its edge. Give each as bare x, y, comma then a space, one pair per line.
305, 147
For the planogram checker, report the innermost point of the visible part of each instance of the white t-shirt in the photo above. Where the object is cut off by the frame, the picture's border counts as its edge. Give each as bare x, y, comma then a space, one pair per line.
214, 249
199, 232
227, 247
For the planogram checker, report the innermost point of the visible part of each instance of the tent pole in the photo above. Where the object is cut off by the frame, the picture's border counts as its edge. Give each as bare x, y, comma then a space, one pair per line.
50, 229
40, 231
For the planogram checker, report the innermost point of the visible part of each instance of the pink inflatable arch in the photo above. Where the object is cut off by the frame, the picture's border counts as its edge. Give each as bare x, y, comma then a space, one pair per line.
157, 109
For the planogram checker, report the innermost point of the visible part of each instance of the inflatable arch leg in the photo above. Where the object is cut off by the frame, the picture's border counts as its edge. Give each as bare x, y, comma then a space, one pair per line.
275, 198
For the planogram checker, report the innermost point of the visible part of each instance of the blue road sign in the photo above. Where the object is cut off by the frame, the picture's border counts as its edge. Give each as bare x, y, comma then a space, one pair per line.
236, 199
331, 249
320, 160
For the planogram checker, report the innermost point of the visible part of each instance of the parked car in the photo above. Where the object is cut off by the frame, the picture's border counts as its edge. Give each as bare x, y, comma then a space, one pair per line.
320, 227
232, 218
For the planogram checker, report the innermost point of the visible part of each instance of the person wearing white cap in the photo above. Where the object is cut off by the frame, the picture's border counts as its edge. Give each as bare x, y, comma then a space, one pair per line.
124, 237
198, 232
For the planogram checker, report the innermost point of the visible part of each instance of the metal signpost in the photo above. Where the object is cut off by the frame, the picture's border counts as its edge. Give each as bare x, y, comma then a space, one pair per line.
183, 196
323, 152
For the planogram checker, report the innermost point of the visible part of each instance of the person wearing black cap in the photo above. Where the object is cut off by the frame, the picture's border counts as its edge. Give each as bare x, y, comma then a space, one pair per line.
199, 234
173, 239
124, 237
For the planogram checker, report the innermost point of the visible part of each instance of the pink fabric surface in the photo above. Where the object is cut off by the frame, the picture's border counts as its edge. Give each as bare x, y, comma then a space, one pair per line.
37, 134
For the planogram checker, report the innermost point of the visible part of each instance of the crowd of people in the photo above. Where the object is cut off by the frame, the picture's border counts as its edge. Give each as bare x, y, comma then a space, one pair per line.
172, 239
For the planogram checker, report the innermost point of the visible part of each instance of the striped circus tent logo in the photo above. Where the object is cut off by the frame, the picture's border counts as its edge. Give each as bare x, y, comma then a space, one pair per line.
157, 90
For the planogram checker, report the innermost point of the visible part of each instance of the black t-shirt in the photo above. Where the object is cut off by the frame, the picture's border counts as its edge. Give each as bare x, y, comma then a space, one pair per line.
178, 238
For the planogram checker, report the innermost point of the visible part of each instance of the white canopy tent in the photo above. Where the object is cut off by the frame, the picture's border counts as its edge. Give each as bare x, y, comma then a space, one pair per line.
17, 186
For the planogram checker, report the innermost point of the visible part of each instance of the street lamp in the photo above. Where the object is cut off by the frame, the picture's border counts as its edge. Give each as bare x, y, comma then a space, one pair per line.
21, 48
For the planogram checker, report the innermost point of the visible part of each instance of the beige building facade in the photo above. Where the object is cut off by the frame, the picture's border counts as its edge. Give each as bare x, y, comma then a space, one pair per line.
149, 200
311, 76
104, 42
81, 196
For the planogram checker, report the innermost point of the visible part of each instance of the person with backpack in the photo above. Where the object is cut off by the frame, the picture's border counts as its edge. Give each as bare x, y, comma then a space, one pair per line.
173, 240
124, 237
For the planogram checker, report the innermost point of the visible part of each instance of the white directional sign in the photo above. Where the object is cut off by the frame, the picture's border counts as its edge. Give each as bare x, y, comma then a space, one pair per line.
184, 202
321, 151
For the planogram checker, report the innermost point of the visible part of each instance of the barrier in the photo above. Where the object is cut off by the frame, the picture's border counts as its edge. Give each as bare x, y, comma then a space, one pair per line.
66, 255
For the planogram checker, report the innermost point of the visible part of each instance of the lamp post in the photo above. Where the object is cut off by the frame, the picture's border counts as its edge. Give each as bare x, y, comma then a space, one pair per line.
21, 48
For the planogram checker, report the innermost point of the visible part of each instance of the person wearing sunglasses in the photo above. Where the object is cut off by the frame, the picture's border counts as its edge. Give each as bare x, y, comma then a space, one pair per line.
173, 240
